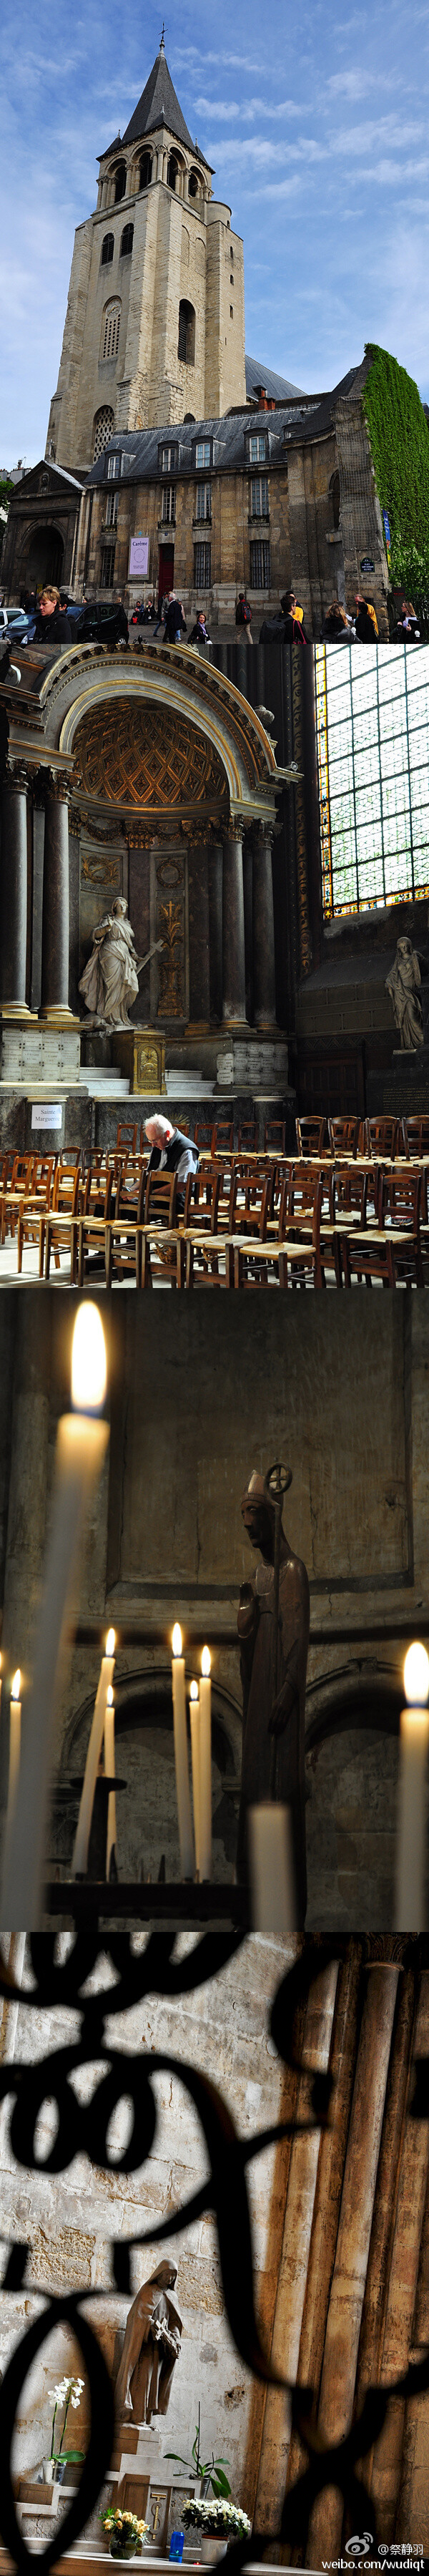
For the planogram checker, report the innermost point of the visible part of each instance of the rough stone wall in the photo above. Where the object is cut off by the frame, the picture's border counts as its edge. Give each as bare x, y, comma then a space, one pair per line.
146, 383
194, 1410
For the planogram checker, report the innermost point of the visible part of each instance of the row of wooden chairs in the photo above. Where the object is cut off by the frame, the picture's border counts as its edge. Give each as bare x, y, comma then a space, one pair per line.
222, 1239
385, 1136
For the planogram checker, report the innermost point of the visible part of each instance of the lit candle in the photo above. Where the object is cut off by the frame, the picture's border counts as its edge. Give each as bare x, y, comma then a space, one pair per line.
14, 1745
272, 1873
205, 1767
109, 1766
194, 1713
181, 1757
93, 1758
410, 1874
80, 1450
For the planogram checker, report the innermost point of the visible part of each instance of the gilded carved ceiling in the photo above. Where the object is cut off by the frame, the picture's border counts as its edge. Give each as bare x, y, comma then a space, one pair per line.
131, 753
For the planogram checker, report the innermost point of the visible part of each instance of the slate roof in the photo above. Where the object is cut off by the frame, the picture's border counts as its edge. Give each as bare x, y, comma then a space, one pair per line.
257, 374
158, 105
305, 416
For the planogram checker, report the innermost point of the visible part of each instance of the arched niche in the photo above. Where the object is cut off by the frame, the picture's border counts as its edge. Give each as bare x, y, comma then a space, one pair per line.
44, 561
147, 1807
352, 1772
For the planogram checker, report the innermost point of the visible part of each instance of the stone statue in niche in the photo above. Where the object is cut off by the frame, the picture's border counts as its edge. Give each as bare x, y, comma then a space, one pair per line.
111, 978
269, 1713
151, 2348
403, 984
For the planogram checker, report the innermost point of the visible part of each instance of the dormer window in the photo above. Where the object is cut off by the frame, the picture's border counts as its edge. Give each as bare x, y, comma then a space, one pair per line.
258, 447
127, 241
167, 459
114, 465
107, 249
203, 453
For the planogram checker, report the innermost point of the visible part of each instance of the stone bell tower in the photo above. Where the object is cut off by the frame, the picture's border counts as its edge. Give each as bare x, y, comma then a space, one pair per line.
155, 316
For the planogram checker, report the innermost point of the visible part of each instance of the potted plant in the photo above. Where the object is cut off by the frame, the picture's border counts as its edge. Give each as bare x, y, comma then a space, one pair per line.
211, 2472
217, 2521
125, 2532
67, 2394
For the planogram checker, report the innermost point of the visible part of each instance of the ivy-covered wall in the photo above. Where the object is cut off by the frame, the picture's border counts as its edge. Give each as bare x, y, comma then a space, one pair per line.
399, 439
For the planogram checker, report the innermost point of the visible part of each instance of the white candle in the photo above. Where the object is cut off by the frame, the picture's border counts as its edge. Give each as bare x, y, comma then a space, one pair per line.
109, 1766
181, 1757
410, 1873
194, 1713
14, 1745
80, 1450
272, 1873
83, 1829
205, 1767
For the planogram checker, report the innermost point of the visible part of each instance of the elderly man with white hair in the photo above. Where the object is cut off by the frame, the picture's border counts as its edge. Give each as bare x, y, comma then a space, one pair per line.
171, 1152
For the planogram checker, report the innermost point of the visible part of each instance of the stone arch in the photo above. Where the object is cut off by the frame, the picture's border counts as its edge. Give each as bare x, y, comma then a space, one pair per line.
186, 334
120, 182
45, 557
352, 1750
107, 249
127, 238
110, 325
103, 424
147, 1810
145, 170
195, 183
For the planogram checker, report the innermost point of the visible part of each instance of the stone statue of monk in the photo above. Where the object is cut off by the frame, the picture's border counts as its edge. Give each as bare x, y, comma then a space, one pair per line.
266, 1715
151, 2349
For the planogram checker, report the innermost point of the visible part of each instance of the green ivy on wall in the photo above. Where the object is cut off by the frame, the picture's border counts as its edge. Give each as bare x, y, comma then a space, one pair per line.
399, 440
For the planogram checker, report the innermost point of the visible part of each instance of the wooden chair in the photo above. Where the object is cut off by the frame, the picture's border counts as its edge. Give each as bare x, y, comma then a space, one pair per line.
17, 1187
275, 1136
306, 1214
203, 1133
123, 1231
202, 1195
92, 1220
416, 1135
282, 1261
251, 1199
222, 1140
36, 1206
126, 1135
58, 1229
392, 1251
248, 1136
343, 1135
311, 1136
381, 1137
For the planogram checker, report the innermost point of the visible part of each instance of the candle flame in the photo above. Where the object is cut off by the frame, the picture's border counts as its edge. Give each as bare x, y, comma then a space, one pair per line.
88, 1372
193, 1694
416, 1675
110, 1642
177, 1639
16, 1684
206, 1661
110, 1696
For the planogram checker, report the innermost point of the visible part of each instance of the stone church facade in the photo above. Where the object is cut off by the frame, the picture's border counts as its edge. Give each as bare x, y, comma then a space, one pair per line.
154, 413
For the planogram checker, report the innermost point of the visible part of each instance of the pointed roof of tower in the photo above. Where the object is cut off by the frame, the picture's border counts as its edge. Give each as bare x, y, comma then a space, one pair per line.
158, 105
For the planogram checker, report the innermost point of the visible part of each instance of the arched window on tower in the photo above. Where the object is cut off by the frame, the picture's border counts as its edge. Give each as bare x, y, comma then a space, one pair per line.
127, 242
194, 183
172, 171
334, 493
110, 330
145, 173
107, 248
104, 423
120, 182
186, 340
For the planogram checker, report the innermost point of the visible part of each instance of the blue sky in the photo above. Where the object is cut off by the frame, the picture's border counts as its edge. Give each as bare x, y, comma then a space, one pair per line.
317, 125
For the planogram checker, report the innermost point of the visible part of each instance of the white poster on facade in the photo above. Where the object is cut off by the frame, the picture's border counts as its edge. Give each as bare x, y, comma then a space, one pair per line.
46, 1113
139, 559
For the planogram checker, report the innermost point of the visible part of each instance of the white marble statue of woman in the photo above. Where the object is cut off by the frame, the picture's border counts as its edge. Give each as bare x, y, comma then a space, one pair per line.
110, 980
404, 984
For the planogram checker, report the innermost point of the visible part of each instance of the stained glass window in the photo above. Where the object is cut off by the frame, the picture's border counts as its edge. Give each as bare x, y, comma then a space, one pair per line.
372, 720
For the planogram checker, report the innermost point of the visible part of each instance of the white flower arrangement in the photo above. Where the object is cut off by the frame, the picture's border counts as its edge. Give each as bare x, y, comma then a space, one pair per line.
67, 2394
223, 2519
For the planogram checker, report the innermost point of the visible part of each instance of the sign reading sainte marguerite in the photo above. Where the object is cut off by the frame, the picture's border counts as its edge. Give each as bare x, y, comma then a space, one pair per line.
46, 1113
139, 559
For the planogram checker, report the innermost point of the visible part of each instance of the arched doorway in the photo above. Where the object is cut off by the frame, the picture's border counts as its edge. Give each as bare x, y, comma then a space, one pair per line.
45, 558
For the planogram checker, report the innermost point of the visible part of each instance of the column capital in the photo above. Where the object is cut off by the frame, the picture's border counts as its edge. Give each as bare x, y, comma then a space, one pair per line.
18, 777
59, 785
235, 827
262, 831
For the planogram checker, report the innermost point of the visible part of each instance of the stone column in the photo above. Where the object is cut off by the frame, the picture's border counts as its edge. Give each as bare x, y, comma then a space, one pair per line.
263, 928
248, 921
199, 942
215, 930
233, 956
55, 921
338, 2382
13, 891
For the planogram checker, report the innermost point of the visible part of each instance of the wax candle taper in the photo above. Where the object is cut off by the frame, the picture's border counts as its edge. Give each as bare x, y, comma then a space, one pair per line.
181, 1756
205, 1766
272, 1874
81, 1445
109, 1766
14, 1746
414, 1740
194, 1714
83, 1829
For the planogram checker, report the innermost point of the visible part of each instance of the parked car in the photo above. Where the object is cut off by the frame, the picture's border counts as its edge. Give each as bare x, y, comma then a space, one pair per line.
20, 625
104, 622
